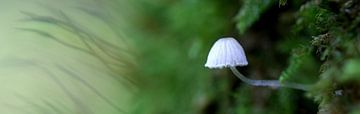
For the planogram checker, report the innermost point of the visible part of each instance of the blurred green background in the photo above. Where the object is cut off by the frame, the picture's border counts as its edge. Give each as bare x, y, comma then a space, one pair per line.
148, 56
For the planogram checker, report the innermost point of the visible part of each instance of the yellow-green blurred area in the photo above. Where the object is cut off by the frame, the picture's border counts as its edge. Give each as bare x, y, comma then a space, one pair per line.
148, 56
52, 59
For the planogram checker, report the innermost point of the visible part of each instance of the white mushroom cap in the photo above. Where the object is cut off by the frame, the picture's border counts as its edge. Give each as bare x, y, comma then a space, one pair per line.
226, 52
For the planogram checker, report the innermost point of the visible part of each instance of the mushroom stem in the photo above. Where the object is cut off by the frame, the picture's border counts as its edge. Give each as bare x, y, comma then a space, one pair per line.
269, 83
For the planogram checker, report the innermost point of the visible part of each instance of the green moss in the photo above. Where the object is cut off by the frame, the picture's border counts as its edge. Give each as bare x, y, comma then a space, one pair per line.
313, 20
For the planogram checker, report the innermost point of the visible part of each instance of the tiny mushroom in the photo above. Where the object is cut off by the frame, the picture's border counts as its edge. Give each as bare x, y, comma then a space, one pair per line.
228, 53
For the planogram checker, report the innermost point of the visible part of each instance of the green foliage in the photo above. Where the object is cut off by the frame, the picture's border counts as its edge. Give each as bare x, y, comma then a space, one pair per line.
282, 2
250, 12
313, 20
302, 66
172, 78
338, 49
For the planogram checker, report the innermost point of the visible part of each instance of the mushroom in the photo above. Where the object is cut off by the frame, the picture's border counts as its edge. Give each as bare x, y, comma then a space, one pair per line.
228, 53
